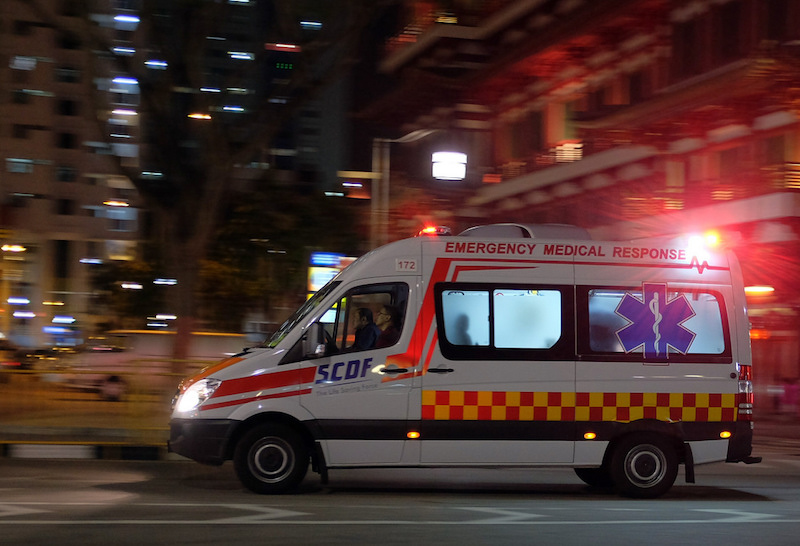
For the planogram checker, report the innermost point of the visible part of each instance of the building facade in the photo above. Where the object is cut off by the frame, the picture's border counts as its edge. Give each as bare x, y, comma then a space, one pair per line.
63, 203
72, 127
630, 118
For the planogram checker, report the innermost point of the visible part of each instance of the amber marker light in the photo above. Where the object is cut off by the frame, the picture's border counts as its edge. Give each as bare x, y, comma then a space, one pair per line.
589, 435
725, 434
758, 290
412, 435
712, 238
14, 248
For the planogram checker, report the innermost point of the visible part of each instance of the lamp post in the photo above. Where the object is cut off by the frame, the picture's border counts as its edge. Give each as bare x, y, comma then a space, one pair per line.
446, 166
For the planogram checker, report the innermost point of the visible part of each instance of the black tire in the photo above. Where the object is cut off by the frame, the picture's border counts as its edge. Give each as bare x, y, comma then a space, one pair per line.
644, 466
596, 477
271, 459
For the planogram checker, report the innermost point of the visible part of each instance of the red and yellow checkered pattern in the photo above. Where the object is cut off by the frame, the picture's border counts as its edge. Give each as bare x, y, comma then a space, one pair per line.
577, 406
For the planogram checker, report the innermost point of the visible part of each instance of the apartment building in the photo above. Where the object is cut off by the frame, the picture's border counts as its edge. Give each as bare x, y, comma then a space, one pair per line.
71, 129
63, 203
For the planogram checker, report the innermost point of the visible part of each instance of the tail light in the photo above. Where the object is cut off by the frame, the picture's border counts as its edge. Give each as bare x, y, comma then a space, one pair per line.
745, 392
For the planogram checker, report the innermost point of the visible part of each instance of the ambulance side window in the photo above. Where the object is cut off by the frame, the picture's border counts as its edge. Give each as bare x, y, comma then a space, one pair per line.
341, 320
526, 319
504, 321
667, 325
466, 316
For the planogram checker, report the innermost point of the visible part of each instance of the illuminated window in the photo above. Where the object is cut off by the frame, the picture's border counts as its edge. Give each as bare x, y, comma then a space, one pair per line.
701, 325
527, 319
466, 317
506, 322
16, 165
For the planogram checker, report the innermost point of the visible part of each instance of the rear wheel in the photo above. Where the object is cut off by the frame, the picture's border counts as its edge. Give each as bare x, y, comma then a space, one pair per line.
644, 466
271, 459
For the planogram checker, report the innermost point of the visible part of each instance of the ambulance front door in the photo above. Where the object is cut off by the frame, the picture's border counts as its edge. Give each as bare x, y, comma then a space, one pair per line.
499, 384
359, 417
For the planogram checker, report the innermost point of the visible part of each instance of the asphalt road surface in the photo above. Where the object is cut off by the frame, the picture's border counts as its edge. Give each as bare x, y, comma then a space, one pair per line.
99, 502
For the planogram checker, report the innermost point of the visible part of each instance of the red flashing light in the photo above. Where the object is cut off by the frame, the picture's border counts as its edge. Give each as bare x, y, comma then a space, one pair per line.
434, 231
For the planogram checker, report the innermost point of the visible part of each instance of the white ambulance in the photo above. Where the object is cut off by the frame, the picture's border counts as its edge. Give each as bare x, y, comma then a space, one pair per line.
514, 345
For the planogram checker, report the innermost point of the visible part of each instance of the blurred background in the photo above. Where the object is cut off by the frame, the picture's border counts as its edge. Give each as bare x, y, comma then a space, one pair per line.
178, 176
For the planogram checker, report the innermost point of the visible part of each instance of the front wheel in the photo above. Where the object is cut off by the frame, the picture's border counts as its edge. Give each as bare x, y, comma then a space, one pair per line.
271, 459
644, 466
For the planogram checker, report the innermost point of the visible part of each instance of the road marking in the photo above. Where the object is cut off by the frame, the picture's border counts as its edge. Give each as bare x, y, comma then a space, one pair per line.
737, 516
507, 516
267, 515
263, 514
7, 510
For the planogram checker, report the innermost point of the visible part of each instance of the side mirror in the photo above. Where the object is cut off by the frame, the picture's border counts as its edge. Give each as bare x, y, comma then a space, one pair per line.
314, 341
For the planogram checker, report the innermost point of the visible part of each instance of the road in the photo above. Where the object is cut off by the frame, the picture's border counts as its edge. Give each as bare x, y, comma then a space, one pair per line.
98, 502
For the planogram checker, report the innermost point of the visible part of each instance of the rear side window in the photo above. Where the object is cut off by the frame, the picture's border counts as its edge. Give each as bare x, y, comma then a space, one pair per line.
526, 319
466, 317
503, 322
653, 322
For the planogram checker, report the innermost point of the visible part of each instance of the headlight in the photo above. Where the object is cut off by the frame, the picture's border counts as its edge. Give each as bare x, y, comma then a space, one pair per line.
196, 394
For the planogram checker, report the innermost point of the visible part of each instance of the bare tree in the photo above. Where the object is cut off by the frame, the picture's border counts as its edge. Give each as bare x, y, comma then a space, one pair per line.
197, 149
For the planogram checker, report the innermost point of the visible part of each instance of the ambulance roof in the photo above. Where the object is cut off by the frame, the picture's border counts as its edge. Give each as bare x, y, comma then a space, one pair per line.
527, 231
552, 243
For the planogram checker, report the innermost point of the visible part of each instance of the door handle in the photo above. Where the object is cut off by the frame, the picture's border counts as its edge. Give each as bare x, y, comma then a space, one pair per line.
440, 370
393, 371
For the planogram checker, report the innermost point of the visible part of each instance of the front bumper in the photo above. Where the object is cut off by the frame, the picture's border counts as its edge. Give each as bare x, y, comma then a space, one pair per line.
203, 440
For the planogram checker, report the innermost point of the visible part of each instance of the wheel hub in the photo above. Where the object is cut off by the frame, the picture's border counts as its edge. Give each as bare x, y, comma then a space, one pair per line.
645, 466
271, 461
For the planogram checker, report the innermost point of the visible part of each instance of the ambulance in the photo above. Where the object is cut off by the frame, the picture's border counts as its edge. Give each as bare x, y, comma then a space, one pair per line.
518, 346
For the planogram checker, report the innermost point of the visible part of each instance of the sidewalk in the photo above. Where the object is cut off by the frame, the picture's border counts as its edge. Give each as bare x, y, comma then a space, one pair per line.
776, 431
84, 443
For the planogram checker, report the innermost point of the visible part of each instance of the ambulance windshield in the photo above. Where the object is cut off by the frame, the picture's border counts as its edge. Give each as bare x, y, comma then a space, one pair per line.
306, 309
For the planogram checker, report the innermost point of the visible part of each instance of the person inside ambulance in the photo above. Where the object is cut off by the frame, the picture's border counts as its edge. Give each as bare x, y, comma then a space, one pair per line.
367, 331
388, 320
460, 334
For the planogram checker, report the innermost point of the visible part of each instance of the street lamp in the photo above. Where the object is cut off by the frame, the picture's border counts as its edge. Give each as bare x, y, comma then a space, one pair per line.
449, 165
446, 166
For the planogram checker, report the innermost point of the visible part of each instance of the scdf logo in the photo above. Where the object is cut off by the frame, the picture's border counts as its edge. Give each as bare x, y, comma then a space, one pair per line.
342, 371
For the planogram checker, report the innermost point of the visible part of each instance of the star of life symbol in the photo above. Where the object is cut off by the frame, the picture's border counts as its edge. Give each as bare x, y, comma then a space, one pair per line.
655, 323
